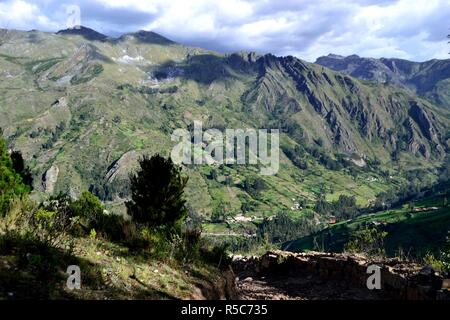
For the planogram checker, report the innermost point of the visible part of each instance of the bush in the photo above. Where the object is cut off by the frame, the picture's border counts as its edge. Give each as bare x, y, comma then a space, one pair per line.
27, 221
90, 211
434, 262
369, 241
87, 213
49, 228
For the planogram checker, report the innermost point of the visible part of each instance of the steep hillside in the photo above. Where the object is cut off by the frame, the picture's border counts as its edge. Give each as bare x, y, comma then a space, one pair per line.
83, 108
430, 79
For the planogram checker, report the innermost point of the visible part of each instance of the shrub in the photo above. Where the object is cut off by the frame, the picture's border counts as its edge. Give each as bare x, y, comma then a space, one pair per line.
434, 262
47, 228
82, 216
369, 241
90, 210
31, 223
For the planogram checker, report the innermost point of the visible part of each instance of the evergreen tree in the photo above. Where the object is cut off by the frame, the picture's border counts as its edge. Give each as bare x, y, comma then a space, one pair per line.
157, 194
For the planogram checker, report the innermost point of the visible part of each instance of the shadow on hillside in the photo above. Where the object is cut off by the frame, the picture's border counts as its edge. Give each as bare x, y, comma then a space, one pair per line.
207, 68
31, 270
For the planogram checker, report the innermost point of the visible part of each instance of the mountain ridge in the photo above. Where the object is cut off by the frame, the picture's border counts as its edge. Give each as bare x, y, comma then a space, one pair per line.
429, 79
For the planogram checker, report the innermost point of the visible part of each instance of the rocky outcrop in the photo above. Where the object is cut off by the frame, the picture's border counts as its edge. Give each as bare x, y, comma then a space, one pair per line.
421, 118
122, 166
399, 280
50, 178
60, 103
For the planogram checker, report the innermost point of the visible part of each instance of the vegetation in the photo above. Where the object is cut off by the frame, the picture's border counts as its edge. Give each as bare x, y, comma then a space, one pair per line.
41, 240
157, 194
343, 209
11, 182
416, 228
369, 241
118, 110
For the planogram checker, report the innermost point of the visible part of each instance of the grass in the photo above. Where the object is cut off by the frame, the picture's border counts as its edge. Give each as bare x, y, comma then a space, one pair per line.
108, 271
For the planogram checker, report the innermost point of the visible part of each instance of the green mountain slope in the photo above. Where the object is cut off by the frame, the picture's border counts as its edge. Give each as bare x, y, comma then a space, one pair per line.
83, 108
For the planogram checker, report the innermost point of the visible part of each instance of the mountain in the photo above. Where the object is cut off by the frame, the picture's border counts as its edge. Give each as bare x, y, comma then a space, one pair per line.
83, 109
430, 79
85, 32
146, 37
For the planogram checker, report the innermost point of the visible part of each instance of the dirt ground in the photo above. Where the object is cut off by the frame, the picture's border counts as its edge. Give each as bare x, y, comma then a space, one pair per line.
299, 287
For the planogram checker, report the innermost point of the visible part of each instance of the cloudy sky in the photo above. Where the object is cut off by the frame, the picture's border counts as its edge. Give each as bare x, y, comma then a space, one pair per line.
414, 30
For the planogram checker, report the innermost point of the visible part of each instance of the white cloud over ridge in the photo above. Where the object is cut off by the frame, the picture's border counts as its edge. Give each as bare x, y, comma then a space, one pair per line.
414, 30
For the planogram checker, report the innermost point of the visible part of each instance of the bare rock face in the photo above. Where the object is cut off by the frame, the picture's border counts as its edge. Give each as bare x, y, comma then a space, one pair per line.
50, 178
60, 103
121, 168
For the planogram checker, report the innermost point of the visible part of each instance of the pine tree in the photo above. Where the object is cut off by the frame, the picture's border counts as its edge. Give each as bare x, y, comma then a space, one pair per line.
157, 194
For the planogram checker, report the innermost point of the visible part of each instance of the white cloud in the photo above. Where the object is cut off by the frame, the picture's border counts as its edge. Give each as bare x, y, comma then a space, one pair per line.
306, 28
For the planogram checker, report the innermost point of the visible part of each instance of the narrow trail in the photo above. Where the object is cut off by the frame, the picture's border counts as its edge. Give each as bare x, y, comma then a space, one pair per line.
299, 287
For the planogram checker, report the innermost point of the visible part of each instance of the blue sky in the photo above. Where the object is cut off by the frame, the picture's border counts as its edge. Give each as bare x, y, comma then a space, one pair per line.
414, 30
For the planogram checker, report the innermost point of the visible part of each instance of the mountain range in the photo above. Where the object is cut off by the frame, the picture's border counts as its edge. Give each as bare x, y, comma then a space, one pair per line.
429, 79
83, 107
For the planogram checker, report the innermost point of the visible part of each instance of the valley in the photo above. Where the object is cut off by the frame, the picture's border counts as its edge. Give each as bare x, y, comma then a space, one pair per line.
364, 149
83, 107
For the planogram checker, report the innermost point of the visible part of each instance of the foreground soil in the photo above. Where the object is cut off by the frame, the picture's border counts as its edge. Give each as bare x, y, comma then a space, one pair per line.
300, 287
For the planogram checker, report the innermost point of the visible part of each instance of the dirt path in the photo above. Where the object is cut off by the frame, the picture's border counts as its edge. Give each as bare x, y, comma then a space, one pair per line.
299, 287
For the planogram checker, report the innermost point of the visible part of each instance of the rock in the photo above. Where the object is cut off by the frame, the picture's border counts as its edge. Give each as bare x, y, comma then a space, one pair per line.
446, 284
399, 279
122, 166
50, 179
268, 261
60, 103
427, 271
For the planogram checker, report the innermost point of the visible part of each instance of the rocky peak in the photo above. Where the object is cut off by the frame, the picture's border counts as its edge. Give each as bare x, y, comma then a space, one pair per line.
87, 33
147, 37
